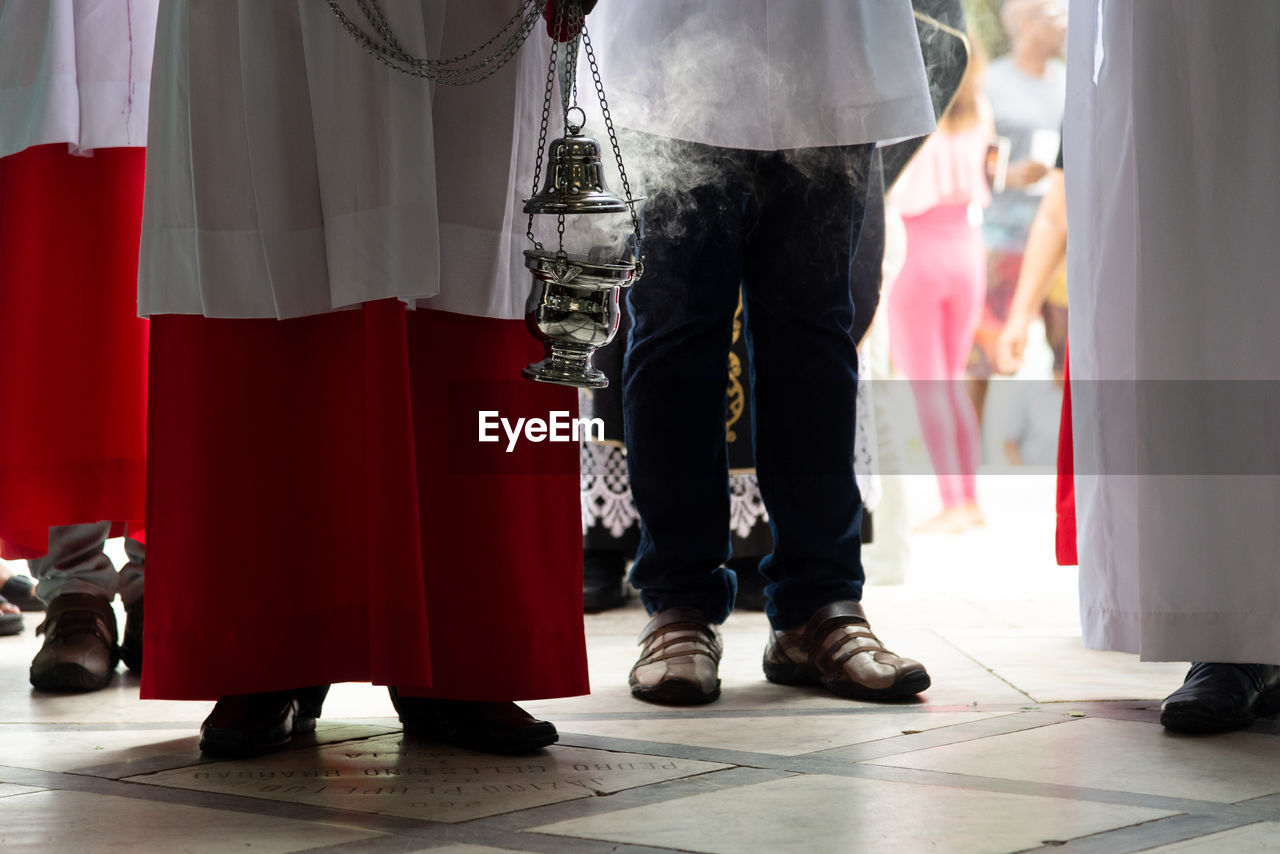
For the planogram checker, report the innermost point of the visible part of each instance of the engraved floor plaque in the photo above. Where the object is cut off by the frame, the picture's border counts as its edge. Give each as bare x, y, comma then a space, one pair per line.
393, 775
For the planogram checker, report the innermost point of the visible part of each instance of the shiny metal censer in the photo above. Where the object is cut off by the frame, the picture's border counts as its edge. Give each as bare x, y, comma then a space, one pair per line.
573, 305
573, 310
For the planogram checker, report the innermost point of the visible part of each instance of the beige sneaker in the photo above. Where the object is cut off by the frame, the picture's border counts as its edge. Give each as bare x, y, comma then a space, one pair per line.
680, 661
837, 650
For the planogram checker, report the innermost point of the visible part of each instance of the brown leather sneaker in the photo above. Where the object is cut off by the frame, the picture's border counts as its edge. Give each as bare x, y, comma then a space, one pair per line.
837, 650
680, 661
79, 651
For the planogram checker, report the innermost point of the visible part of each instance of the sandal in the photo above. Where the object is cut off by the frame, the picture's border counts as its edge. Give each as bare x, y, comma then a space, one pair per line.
10, 624
21, 591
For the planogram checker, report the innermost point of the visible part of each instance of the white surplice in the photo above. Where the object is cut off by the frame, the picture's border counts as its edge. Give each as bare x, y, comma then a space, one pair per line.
1172, 160
764, 74
291, 174
75, 71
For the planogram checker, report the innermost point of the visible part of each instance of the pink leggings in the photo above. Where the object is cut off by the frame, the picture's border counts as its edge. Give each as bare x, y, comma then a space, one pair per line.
933, 311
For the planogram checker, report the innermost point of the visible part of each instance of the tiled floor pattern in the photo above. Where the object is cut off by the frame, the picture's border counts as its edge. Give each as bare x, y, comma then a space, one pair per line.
1026, 742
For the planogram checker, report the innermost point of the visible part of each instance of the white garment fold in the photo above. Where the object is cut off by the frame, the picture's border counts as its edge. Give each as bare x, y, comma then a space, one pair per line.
291, 174
288, 173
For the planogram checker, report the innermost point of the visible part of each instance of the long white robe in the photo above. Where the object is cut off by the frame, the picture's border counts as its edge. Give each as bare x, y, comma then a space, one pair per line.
1173, 156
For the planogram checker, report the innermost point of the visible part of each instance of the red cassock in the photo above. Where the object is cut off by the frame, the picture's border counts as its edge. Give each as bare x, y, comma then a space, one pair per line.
314, 516
324, 334
73, 368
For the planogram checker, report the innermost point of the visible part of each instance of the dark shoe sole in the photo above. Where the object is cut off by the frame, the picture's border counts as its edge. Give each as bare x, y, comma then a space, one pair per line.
1193, 719
1188, 717
529, 739
789, 673
70, 678
675, 692
11, 624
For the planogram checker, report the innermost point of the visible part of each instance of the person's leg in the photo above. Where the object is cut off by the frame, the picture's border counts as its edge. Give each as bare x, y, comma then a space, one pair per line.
803, 230
806, 218
501, 542
963, 310
674, 381
916, 333
252, 430
675, 411
75, 563
77, 582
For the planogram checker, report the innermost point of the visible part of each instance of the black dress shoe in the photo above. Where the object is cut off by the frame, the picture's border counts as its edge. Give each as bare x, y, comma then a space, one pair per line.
21, 591
604, 580
488, 727
131, 640
1220, 697
252, 724
10, 624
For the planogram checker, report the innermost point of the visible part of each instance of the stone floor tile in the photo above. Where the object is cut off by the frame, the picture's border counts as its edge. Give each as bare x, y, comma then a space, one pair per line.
1260, 838
1122, 755
820, 814
54, 821
1057, 668
784, 735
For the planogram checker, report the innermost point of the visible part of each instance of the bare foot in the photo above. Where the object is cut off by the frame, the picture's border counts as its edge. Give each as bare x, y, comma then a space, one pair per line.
976, 519
953, 520
6, 608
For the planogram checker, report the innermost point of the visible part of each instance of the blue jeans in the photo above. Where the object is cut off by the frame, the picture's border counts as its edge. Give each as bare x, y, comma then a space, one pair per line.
781, 228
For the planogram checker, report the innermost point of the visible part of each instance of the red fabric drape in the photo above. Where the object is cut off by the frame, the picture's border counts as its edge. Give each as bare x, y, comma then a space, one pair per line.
320, 510
73, 368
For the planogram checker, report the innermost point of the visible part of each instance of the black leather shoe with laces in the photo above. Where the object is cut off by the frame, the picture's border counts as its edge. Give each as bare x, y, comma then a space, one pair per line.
1219, 697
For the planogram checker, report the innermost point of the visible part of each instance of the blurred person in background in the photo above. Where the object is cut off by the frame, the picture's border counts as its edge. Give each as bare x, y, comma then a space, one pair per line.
936, 300
1044, 263
1027, 89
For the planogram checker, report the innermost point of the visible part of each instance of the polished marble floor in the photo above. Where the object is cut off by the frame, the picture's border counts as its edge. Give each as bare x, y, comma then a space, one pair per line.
1026, 742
